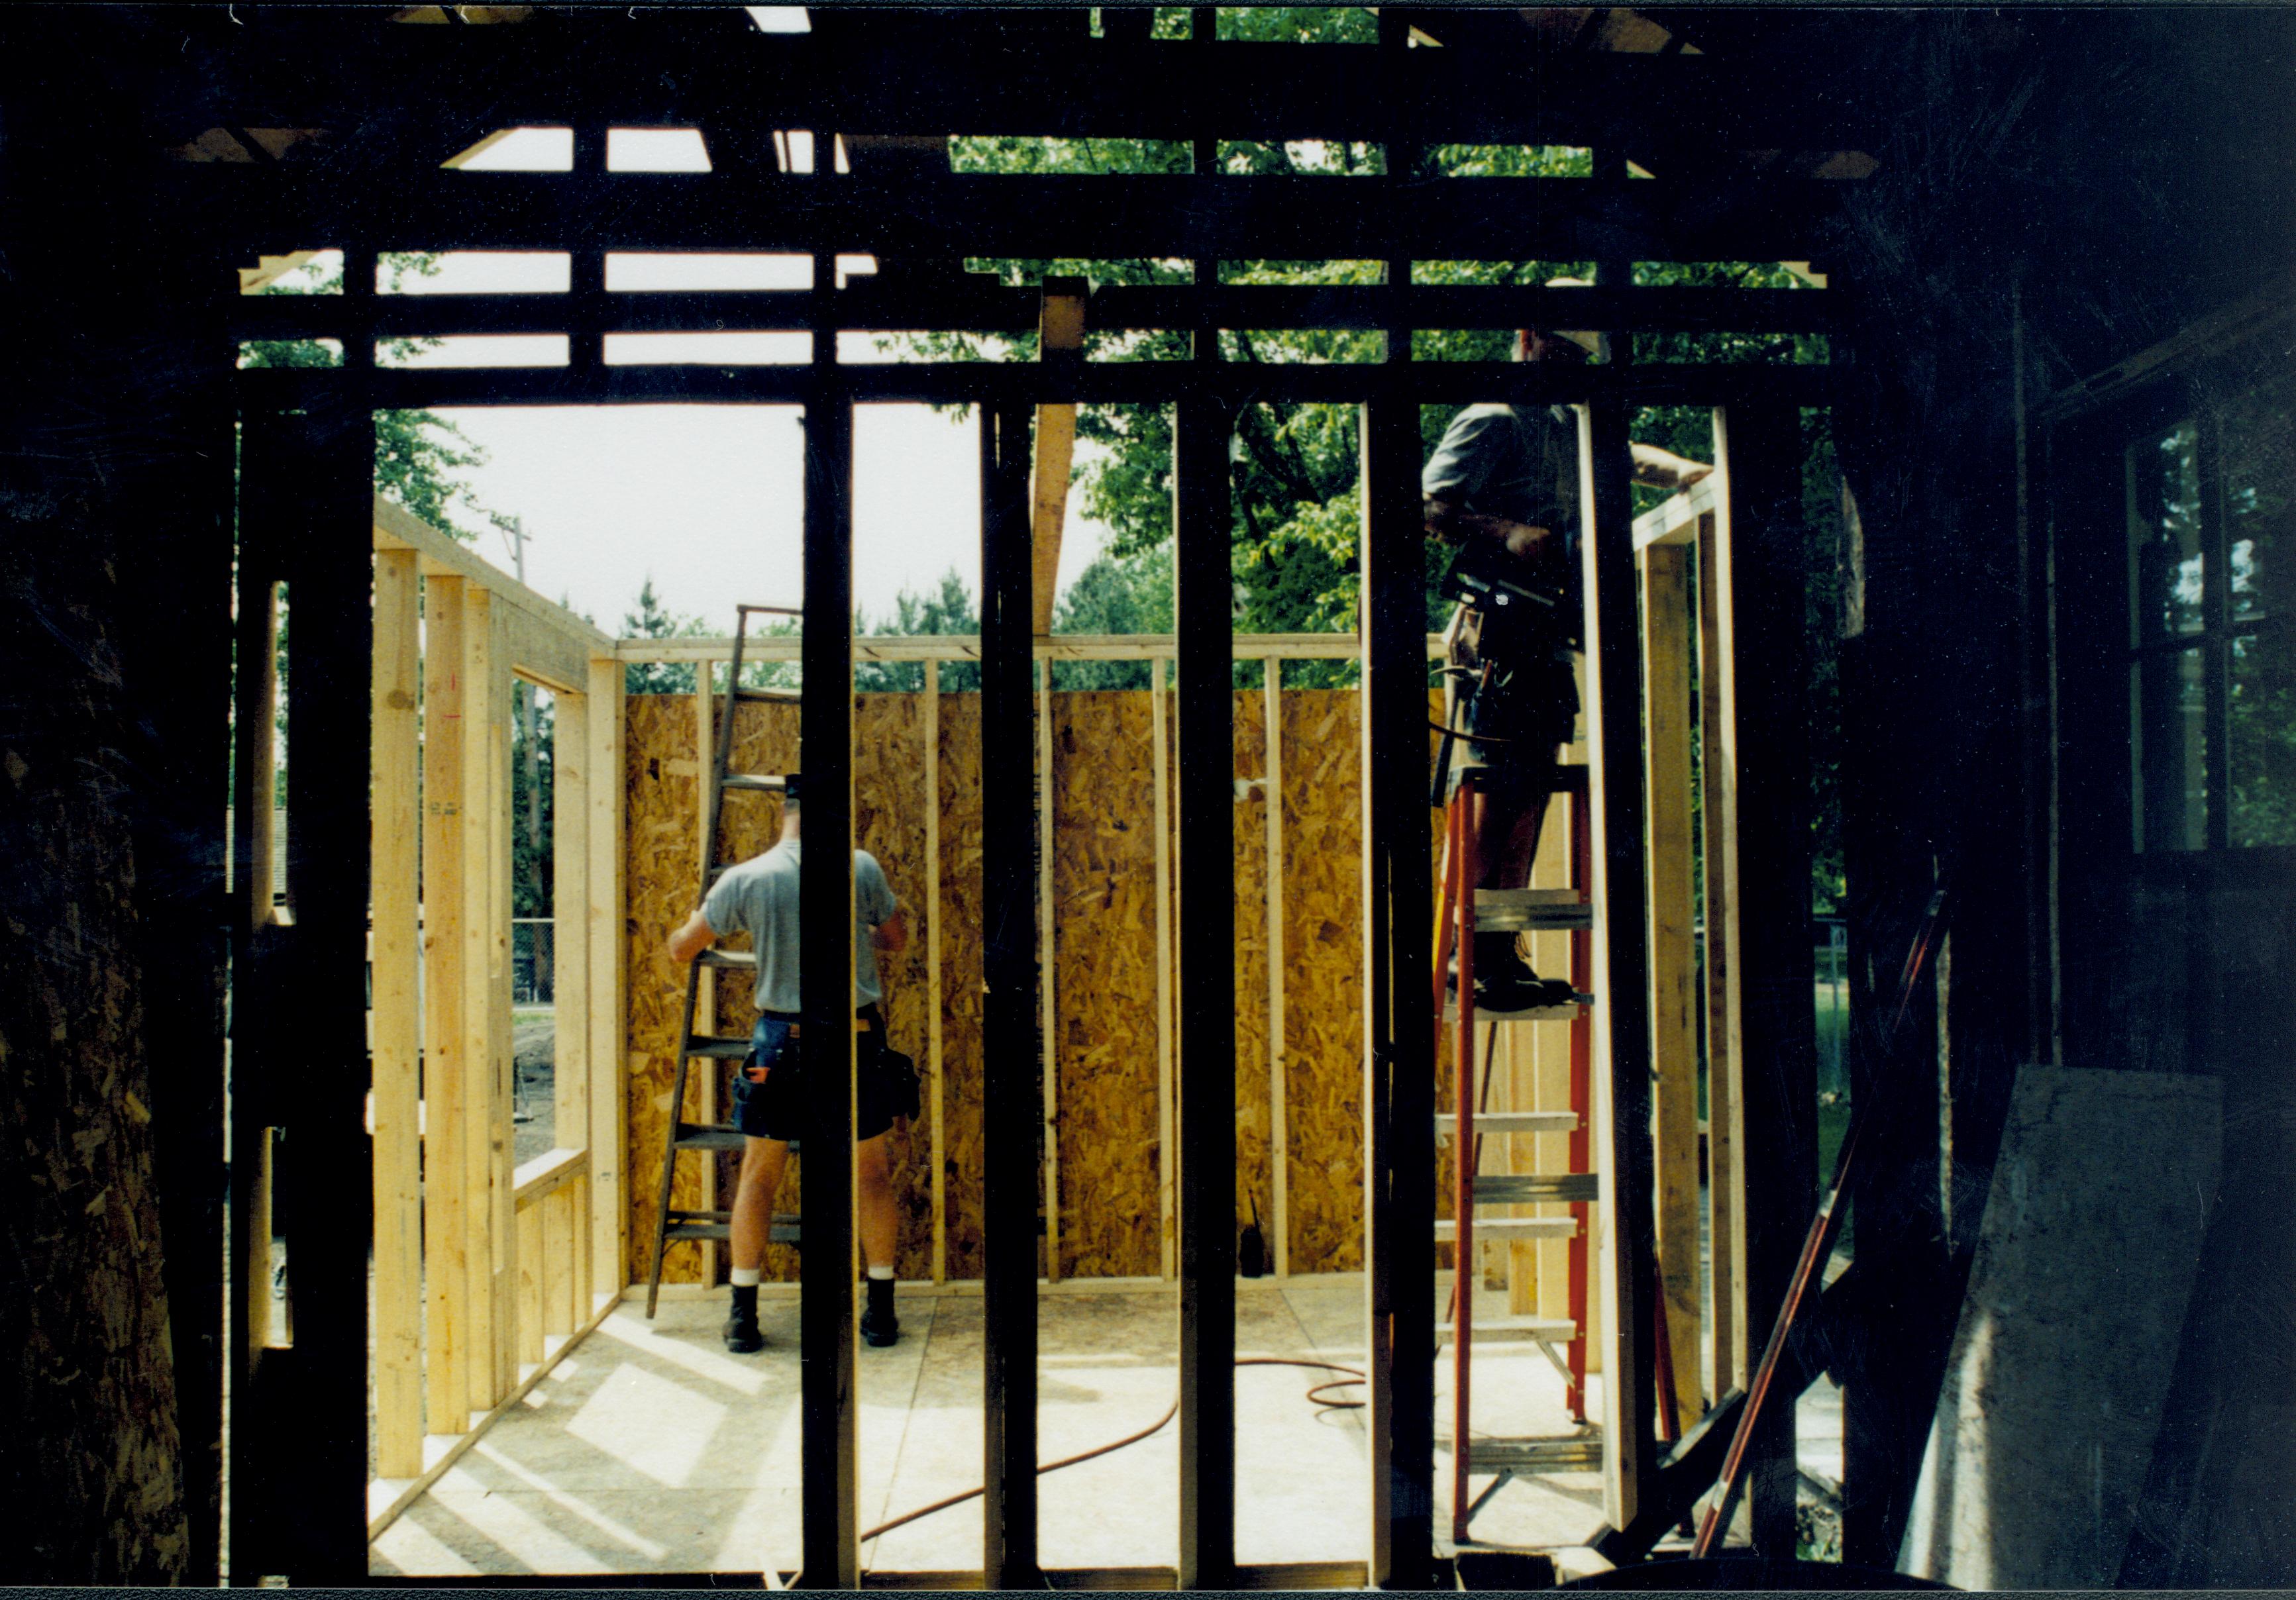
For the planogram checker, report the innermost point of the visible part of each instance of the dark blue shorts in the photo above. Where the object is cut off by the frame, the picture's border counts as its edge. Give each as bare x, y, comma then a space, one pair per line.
1530, 713
774, 1108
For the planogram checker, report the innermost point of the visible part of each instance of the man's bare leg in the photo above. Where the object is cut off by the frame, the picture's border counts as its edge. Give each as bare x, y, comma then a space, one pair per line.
880, 1236
762, 1161
1507, 843
762, 1164
880, 1219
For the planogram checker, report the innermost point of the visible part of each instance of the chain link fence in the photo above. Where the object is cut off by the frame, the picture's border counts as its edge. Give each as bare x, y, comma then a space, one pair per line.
533, 961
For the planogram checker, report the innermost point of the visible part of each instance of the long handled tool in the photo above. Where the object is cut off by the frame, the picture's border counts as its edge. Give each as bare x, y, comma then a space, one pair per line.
1816, 1245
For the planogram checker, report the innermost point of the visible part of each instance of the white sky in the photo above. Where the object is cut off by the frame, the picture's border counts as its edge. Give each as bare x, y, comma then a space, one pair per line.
706, 500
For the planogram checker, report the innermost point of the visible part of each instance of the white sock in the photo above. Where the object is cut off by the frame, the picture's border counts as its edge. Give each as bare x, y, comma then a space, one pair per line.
886, 1273
747, 1277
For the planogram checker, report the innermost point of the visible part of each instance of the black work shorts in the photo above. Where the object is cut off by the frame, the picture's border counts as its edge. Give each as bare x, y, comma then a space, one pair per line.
774, 1108
1529, 713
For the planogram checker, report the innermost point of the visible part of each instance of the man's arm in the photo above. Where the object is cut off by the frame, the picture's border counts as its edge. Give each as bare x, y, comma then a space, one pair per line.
892, 934
1453, 524
694, 938
1664, 469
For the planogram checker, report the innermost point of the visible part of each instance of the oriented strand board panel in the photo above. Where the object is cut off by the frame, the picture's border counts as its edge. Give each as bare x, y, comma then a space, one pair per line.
2061, 1362
1104, 891
962, 952
662, 781
1103, 874
1323, 976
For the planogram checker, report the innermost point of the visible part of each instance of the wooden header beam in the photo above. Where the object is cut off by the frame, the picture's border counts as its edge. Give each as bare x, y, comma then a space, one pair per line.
274, 209
397, 528
978, 303
966, 647
915, 76
1097, 383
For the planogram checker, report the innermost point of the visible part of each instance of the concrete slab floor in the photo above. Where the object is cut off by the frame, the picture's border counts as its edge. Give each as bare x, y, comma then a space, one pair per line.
651, 1449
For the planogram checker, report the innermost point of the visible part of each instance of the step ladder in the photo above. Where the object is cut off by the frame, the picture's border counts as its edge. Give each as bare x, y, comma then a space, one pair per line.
709, 1137
1460, 916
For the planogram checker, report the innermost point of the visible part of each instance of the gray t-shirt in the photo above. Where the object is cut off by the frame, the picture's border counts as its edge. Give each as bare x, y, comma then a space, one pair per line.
759, 898
1520, 463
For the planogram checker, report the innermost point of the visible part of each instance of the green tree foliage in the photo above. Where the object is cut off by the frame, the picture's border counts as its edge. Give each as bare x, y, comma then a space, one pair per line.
420, 457
532, 815
653, 620
1115, 594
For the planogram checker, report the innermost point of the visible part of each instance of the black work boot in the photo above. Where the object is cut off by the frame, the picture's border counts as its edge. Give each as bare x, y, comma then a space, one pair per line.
878, 1327
743, 1336
1505, 980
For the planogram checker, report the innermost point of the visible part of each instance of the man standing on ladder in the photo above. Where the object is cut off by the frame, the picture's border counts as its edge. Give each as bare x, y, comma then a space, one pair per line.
760, 897
1504, 486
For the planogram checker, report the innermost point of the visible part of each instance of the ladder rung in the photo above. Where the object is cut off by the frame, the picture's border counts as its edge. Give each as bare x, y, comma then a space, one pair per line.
707, 1135
718, 1047
1516, 910
764, 782
1534, 1188
1533, 1455
783, 1231
787, 697
1514, 1228
743, 959
1553, 1330
1511, 1122
1570, 1013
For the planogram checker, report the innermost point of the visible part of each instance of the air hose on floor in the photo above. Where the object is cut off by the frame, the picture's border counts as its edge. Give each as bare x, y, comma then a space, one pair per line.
1315, 1396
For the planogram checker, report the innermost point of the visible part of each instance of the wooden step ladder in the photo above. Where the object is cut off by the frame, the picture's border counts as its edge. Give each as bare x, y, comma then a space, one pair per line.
708, 1138
1460, 916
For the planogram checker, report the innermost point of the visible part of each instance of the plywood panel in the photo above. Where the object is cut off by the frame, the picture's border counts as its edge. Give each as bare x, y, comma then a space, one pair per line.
1104, 855
1104, 890
661, 831
961, 955
1323, 976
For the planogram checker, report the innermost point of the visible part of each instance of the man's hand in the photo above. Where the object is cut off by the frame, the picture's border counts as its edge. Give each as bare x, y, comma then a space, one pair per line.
892, 934
691, 940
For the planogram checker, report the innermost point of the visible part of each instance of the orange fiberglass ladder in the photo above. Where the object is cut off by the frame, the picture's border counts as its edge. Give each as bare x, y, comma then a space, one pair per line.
1460, 915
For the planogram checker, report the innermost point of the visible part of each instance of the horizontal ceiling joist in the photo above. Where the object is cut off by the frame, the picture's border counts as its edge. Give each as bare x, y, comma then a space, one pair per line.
272, 210
1026, 383
983, 306
708, 73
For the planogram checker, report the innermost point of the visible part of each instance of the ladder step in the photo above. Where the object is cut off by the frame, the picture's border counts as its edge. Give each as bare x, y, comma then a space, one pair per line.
1570, 1013
787, 697
718, 1047
740, 959
719, 1225
1521, 911
1553, 1330
764, 783
1511, 1227
1510, 1122
1580, 1455
707, 1135
1534, 1188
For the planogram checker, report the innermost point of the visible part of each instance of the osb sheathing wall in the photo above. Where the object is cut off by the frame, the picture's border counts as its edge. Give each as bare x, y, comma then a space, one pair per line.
1103, 889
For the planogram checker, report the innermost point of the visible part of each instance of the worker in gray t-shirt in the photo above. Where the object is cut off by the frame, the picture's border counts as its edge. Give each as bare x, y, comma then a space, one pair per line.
760, 897
1506, 478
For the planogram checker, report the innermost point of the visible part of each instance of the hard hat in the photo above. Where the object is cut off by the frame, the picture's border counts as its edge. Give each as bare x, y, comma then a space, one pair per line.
1592, 343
